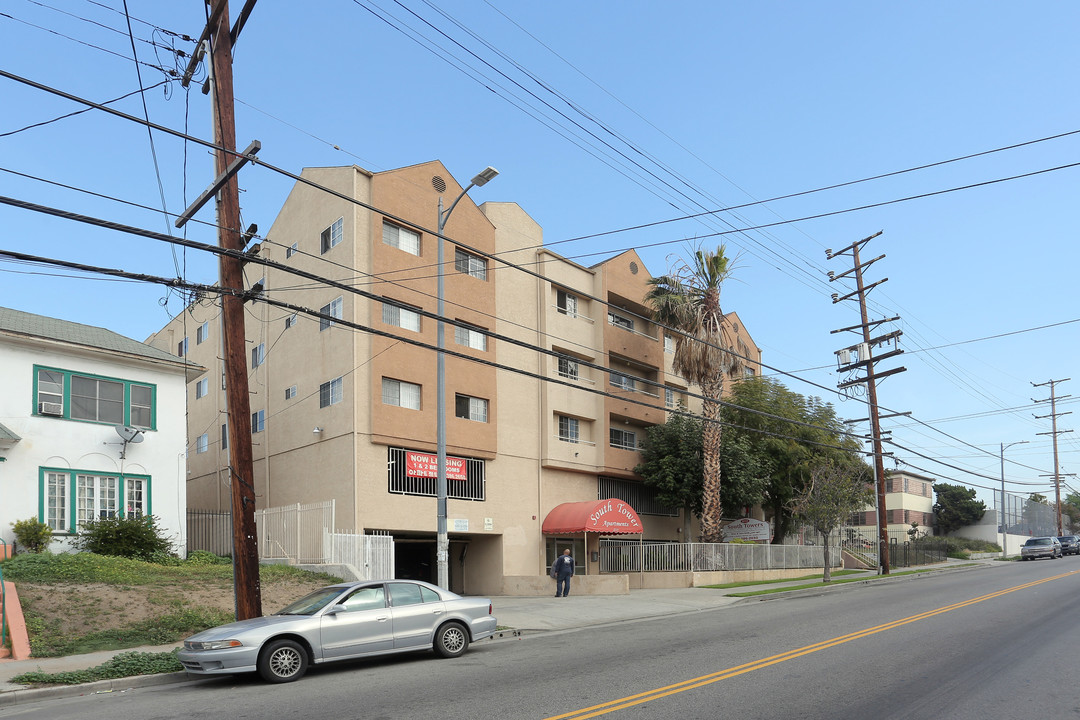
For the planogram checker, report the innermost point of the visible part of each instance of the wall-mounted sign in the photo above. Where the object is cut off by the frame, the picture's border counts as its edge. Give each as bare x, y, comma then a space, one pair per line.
746, 529
489, 523
461, 525
426, 465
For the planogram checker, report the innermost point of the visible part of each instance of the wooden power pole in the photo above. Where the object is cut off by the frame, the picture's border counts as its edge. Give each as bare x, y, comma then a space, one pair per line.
1055, 432
865, 360
245, 541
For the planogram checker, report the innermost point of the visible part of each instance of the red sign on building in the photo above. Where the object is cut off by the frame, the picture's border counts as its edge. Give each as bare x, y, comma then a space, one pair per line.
426, 465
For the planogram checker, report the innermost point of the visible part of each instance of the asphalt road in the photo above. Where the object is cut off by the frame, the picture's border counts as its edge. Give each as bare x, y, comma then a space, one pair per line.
990, 643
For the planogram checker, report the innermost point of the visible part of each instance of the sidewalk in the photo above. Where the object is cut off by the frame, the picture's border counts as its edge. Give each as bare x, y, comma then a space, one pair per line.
523, 615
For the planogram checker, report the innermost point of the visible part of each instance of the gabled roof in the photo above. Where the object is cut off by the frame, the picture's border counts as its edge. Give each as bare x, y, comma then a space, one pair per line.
28, 325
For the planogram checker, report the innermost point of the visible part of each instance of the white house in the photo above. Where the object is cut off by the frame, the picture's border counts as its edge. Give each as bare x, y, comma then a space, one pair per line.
91, 424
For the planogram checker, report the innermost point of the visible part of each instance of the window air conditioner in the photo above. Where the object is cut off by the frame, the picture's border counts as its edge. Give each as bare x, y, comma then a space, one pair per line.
49, 408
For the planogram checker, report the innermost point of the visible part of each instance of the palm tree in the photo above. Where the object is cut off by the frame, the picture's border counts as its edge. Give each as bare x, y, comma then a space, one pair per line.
688, 300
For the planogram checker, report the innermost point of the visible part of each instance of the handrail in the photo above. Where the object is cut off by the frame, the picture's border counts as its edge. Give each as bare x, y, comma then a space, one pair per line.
574, 441
573, 314
3, 601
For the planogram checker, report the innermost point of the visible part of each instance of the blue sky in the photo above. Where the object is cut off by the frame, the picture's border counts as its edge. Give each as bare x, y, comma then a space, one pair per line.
662, 111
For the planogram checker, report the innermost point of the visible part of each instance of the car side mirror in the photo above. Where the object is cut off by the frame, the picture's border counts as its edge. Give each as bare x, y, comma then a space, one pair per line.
339, 608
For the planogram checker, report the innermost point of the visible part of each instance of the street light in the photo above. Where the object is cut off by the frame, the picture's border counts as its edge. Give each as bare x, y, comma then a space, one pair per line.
1004, 533
442, 546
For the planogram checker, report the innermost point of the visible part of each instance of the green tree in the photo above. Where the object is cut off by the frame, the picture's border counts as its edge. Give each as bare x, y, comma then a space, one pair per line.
672, 463
788, 434
956, 507
835, 490
688, 299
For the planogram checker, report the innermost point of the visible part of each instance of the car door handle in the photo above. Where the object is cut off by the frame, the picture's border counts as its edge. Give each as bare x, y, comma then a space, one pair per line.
383, 618
436, 612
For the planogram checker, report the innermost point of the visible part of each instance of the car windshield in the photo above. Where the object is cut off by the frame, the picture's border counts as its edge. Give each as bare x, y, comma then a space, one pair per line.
1038, 541
312, 602
1067, 538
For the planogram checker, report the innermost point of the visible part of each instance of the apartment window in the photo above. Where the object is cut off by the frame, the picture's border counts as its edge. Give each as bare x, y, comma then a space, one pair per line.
97, 399
258, 355
290, 392
135, 497
568, 368
470, 264
258, 421
93, 398
225, 436
669, 344
401, 317
624, 382
96, 497
291, 320
749, 372
202, 388
333, 309
84, 496
402, 394
202, 444
401, 238
201, 333
623, 439
619, 321
330, 393
469, 337
669, 397
471, 408
291, 250
566, 303
182, 348
56, 501
568, 429
331, 236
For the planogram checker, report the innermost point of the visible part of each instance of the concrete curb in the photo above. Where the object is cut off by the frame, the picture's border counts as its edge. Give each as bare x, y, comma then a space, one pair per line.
17, 697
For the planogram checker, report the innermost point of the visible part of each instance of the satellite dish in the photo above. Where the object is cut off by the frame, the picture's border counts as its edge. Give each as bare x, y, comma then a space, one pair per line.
129, 434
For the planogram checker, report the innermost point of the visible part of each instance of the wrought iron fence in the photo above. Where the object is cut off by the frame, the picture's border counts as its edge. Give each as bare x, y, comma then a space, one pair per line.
628, 556
210, 530
371, 555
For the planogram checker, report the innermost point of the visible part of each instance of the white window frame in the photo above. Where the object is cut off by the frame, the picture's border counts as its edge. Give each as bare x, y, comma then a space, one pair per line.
470, 337
96, 497
292, 250
627, 439
201, 333
624, 381
292, 320
182, 348
333, 309
258, 421
202, 388
330, 393
56, 501
202, 444
620, 321
470, 264
136, 497
400, 393
568, 367
290, 392
474, 408
331, 236
669, 344
401, 238
569, 429
566, 303
258, 355
400, 316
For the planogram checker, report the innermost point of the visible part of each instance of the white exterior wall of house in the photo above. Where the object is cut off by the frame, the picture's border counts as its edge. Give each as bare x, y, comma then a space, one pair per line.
72, 445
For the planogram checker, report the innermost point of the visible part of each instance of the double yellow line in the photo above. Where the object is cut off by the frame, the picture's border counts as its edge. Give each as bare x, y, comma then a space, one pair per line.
656, 694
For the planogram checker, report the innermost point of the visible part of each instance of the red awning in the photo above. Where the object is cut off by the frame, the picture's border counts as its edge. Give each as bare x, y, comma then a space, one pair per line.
608, 517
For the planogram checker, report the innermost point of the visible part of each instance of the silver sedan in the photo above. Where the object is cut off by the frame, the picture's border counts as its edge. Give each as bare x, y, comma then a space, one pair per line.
340, 622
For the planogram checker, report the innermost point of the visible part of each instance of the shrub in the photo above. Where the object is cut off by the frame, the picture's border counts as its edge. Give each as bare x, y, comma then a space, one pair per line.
205, 557
32, 534
130, 537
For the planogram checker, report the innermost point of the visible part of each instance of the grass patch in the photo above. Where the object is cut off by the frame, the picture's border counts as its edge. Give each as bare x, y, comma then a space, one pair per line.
811, 586
123, 665
749, 583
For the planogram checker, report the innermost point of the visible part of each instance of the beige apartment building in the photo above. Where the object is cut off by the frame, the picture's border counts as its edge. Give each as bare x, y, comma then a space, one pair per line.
909, 497
343, 414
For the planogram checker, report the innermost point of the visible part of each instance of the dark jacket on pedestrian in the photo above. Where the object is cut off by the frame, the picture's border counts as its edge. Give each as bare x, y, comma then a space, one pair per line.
564, 566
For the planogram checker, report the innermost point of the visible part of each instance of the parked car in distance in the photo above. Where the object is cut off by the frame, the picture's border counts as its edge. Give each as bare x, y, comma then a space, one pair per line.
1038, 547
341, 622
1070, 544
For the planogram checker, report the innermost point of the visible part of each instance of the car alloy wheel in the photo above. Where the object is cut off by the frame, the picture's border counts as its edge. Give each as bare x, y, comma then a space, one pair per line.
282, 661
451, 640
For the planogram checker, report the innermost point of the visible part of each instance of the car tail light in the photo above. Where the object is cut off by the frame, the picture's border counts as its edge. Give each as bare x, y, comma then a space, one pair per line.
489, 608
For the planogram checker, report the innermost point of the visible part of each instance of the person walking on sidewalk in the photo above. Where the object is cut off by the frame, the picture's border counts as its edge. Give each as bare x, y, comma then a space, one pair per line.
563, 569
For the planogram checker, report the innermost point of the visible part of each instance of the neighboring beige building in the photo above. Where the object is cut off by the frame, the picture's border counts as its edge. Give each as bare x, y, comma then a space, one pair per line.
908, 498
349, 415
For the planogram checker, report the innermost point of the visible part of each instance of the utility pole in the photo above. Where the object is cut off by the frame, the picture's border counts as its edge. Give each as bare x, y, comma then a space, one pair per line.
865, 360
1055, 432
245, 541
